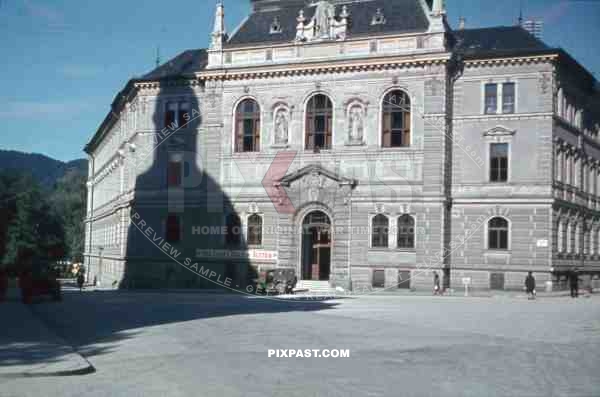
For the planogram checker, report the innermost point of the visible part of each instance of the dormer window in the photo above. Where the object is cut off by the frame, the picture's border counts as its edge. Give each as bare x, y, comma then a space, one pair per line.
275, 26
378, 18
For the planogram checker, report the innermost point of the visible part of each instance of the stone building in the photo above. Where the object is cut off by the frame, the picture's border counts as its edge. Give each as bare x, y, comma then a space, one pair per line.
364, 144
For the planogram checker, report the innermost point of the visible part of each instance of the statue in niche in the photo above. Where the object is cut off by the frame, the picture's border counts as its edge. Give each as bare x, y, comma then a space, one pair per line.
281, 127
356, 123
324, 13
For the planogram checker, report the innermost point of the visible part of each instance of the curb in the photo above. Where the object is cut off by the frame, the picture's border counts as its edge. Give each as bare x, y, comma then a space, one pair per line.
75, 372
80, 364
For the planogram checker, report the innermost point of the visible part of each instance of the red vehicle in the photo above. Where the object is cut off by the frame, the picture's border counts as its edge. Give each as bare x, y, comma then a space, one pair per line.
39, 283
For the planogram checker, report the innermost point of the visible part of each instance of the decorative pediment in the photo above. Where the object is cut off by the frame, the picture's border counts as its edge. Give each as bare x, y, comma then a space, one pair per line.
499, 131
316, 170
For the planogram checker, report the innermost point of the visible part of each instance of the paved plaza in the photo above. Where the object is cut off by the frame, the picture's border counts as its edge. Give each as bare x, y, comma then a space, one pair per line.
184, 344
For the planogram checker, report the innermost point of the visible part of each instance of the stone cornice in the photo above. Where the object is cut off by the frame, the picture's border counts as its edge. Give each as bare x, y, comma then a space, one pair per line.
299, 69
511, 60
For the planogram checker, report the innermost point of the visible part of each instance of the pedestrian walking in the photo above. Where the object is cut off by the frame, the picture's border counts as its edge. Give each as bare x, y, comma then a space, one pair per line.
530, 286
436, 283
80, 280
574, 282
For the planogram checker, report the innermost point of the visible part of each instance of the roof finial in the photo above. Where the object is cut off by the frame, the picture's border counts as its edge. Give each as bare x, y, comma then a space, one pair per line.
521, 13
219, 35
157, 56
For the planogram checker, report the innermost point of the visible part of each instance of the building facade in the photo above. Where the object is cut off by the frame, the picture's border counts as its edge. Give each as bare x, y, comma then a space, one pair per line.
363, 144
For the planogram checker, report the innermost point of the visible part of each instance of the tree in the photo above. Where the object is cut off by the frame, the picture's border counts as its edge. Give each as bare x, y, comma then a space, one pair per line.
33, 232
68, 199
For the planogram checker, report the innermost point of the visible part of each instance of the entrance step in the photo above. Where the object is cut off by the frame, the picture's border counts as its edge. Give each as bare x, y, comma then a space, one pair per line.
314, 286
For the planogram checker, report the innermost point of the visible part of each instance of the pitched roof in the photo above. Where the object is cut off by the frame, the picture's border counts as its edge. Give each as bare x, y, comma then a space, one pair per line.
498, 41
186, 63
401, 16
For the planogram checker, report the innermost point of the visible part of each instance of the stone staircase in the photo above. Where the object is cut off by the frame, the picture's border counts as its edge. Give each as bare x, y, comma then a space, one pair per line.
320, 287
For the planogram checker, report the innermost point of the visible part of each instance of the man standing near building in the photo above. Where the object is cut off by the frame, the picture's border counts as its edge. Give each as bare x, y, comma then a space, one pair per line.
574, 282
530, 285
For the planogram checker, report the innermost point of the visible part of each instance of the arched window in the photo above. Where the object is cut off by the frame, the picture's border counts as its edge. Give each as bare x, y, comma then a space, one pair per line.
255, 229
380, 230
396, 120
234, 230
319, 123
247, 126
498, 234
406, 232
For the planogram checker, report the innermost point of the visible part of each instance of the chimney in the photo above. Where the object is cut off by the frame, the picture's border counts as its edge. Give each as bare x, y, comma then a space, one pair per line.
219, 35
461, 23
438, 7
535, 27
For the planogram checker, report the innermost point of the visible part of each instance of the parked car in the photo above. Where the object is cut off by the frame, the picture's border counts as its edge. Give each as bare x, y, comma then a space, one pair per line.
39, 282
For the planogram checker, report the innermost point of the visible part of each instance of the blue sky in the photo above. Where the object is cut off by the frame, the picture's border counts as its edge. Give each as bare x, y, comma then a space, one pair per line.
64, 60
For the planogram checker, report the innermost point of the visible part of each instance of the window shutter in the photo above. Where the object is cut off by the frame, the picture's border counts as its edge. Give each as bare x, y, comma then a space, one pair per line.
257, 134
329, 130
239, 134
387, 129
406, 127
309, 130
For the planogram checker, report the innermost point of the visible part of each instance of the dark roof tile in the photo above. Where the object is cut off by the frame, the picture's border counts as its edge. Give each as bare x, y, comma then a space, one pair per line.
186, 63
500, 40
401, 16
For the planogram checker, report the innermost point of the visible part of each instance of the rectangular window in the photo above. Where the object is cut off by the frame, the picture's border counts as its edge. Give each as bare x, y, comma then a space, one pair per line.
498, 239
171, 115
491, 98
499, 162
177, 115
173, 226
183, 116
174, 174
508, 98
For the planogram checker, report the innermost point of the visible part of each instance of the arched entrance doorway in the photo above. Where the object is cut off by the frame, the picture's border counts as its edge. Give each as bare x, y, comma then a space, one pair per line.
316, 246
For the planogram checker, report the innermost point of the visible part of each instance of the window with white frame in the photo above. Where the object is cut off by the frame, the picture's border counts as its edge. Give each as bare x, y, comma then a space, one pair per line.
247, 126
255, 228
498, 162
499, 98
498, 233
177, 114
508, 98
560, 234
491, 98
406, 232
396, 120
380, 225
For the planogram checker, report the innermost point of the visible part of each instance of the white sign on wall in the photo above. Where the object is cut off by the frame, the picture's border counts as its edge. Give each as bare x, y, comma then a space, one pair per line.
259, 255
542, 243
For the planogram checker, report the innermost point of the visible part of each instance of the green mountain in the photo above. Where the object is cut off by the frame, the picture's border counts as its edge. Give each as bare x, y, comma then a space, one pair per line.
47, 171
